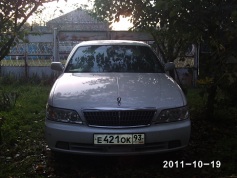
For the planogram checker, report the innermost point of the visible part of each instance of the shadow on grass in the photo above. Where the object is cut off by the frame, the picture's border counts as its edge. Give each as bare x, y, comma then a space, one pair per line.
94, 166
67, 165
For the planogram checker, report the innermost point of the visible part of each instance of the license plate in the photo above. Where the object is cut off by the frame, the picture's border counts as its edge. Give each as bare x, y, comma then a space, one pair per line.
124, 139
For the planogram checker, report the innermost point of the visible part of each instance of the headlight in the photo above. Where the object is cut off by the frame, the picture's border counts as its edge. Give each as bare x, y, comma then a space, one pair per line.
62, 115
172, 115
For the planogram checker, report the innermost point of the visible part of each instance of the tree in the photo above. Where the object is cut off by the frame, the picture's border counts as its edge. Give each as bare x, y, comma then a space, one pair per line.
156, 17
176, 23
13, 15
217, 24
159, 18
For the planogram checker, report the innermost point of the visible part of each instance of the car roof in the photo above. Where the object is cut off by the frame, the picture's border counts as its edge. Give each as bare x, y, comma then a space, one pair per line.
112, 42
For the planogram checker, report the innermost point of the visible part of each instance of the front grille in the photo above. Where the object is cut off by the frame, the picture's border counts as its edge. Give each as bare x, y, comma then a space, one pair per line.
119, 118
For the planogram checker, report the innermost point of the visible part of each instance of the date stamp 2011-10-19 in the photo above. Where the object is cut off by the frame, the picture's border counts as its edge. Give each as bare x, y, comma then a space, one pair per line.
194, 164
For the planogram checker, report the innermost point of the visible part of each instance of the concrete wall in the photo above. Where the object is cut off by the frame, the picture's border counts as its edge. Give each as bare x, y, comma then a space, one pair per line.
29, 71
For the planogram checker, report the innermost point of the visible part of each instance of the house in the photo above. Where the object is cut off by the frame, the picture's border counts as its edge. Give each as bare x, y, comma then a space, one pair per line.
78, 20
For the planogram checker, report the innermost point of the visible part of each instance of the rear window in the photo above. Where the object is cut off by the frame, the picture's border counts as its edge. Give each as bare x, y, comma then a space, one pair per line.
114, 58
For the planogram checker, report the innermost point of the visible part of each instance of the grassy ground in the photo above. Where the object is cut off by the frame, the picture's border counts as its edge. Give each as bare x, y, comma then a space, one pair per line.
23, 152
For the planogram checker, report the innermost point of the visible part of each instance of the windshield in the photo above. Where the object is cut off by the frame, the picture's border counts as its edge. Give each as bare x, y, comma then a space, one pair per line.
114, 58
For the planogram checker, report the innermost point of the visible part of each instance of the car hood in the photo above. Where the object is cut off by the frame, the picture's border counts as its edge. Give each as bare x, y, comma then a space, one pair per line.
103, 90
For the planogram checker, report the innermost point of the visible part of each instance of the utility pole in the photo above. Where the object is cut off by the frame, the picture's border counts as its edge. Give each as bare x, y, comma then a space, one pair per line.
55, 45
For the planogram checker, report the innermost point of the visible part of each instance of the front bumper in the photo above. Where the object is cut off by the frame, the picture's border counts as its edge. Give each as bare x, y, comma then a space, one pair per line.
78, 139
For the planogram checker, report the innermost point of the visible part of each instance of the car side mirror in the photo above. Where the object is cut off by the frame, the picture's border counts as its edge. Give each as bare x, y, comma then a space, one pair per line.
57, 66
169, 66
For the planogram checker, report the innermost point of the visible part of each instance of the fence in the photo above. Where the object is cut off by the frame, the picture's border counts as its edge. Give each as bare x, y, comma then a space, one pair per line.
35, 56
41, 49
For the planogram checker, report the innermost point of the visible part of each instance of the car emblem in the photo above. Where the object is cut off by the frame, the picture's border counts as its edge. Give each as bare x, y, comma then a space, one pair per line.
119, 100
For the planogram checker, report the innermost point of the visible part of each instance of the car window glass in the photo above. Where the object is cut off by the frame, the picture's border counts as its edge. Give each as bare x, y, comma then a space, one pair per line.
114, 58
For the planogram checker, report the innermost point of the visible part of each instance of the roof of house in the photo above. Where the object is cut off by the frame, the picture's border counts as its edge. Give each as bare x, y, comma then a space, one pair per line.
78, 20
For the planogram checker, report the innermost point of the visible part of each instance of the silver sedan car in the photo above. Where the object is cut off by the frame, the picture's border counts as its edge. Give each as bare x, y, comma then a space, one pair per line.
115, 98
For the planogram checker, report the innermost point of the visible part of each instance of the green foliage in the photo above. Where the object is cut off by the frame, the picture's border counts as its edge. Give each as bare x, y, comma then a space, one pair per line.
174, 23
218, 78
156, 17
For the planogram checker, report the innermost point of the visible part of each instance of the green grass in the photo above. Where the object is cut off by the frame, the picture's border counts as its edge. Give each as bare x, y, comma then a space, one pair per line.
24, 153
22, 131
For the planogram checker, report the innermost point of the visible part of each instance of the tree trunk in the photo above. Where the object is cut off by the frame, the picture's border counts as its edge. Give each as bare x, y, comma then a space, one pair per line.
212, 91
